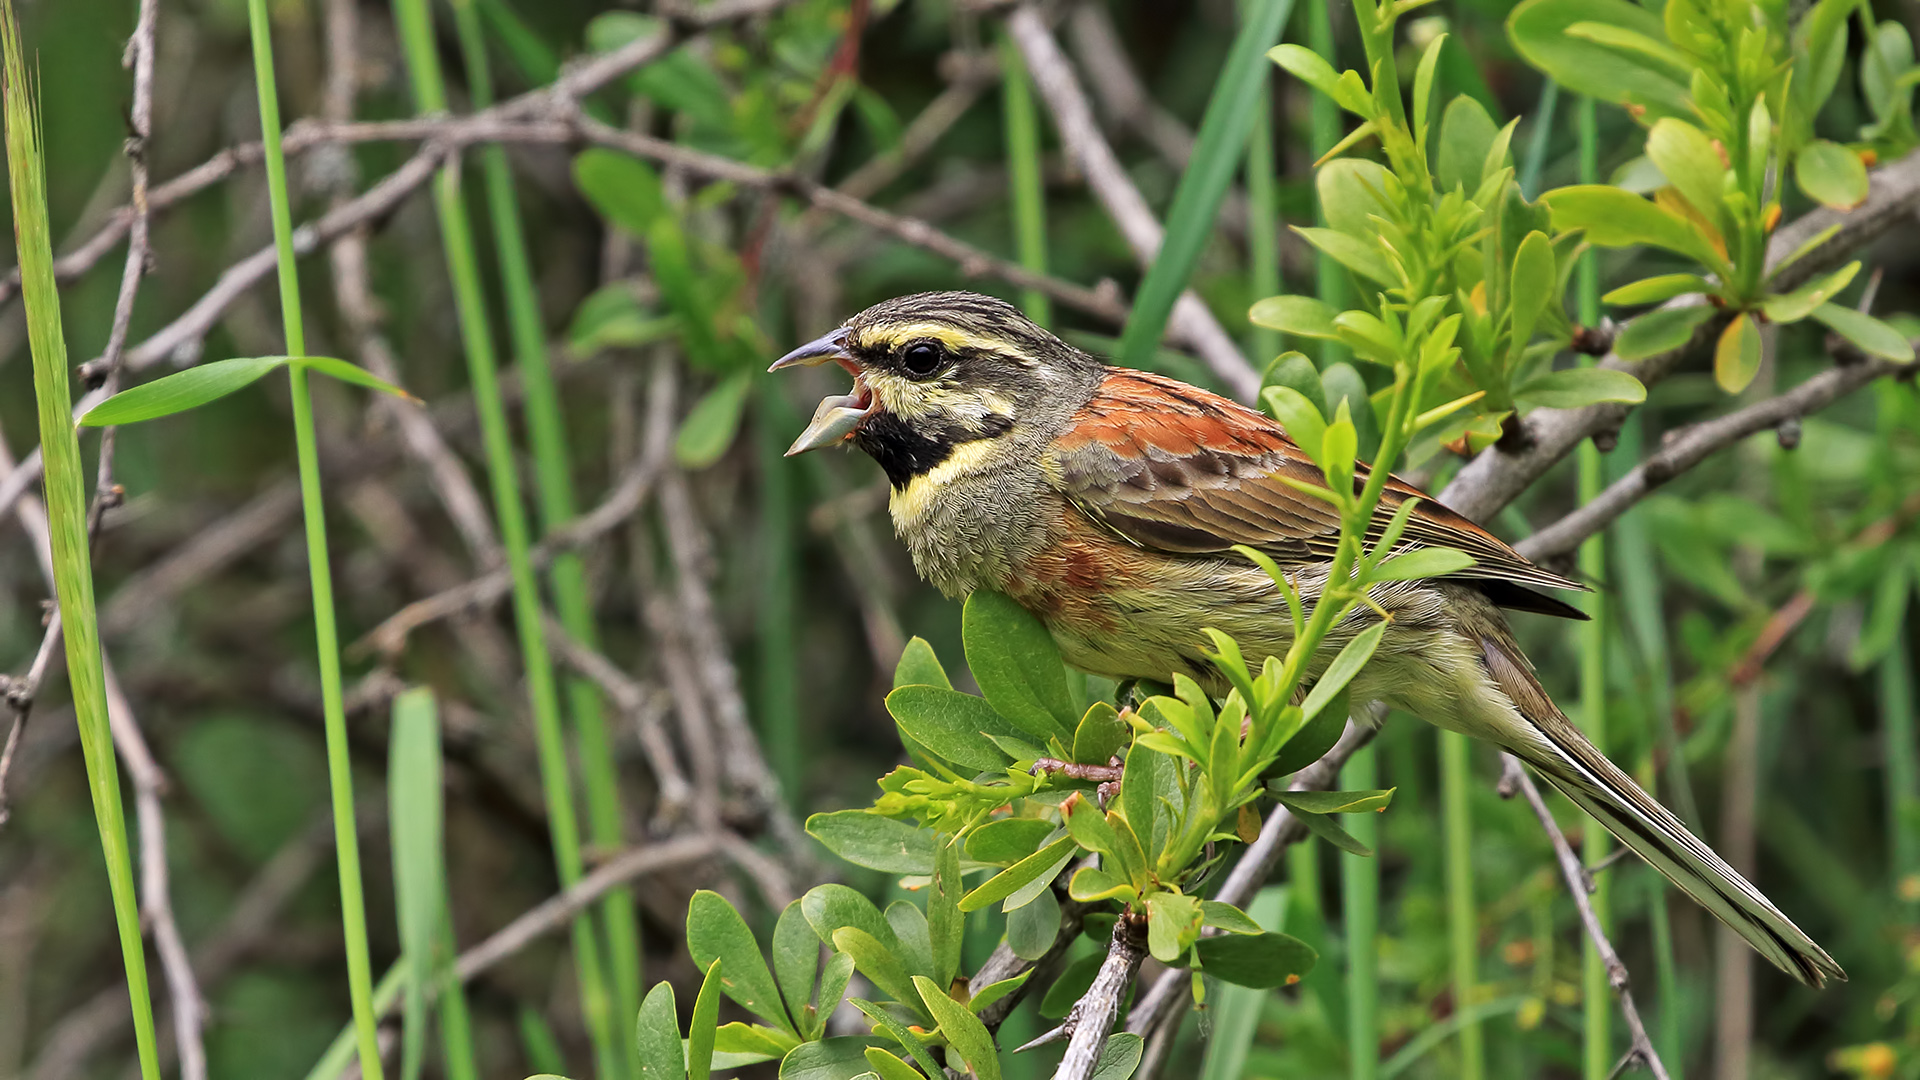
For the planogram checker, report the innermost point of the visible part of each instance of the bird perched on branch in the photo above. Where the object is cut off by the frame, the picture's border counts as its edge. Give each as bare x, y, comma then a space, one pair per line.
1107, 502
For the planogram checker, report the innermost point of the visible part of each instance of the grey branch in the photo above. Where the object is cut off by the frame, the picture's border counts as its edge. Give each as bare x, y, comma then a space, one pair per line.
1093, 1015
1687, 447
1514, 777
1073, 116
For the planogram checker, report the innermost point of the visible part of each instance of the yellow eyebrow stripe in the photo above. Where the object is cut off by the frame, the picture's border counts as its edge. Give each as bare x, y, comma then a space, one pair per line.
952, 336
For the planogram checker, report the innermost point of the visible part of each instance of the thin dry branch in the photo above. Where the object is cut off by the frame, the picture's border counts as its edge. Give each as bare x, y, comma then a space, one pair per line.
1513, 777
1687, 447
1073, 116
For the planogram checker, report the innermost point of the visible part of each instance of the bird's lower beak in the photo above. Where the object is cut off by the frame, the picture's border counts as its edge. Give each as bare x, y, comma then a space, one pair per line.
839, 416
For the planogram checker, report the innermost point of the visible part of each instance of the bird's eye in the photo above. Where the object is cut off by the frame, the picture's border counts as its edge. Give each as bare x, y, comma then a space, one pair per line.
922, 358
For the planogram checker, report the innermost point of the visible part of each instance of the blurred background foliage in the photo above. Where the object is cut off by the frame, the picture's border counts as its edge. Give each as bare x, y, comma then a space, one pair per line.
1762, 599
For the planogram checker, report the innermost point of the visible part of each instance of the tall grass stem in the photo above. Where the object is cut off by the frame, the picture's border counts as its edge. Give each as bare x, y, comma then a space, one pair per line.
463, 267
1456, 788
353, 907
1360, 901
67, 521
555, 498
1021, 120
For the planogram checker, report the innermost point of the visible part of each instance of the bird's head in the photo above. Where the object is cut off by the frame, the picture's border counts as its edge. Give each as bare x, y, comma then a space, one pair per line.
934, 371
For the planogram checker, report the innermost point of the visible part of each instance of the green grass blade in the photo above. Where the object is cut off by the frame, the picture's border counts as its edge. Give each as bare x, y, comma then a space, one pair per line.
353, 908
1360, 900
1330, 278
67, 519
1456, 788
423, 65
1022, 122
1263, 216
1216, 157
558, 505
1597, 997
1236, 1009
419, 871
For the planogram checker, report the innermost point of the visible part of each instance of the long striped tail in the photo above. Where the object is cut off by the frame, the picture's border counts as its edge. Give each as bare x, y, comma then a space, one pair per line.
1570, 763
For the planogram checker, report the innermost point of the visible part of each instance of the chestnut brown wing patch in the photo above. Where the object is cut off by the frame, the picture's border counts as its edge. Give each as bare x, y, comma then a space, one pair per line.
1173, 468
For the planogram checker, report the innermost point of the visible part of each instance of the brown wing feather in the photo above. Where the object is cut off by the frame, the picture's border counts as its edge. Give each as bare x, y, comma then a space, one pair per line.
1174, 468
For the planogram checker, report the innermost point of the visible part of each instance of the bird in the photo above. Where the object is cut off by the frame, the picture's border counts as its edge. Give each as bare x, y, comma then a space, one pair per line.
1108, 502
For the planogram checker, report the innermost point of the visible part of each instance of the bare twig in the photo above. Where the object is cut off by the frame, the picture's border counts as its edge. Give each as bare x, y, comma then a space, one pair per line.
1093, 1015
139, 56
1684, 449
1054, 78
641, 706
1514, 777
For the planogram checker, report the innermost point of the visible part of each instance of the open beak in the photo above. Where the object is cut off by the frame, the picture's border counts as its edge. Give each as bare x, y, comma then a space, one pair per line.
839, 416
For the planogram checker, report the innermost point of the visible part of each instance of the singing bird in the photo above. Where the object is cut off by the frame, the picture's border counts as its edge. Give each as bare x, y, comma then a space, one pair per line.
1107, 502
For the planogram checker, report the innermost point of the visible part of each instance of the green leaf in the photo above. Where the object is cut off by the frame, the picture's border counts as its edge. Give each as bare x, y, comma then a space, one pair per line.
1299, 315
1870, 335
1262, 961
888, 1067
712, 423
840, 1058
945, 926
916, 941
1686, 157
1423, 86
715, 931
963, 1030
1611, 217
657, 1036
1736, 357
1353, 656
830, 907
1354, 191
1343, 380
1041, 882
1307, 66
1311, 742
1329, 830
1336, 802
180, 391
994, 991
884, 965
1655, 290
1540, 31
1796, 305
1573, 388
1423, 563
1830, 174
878, 843
611, 318
1299, 417
1173, 922
1018, 666
1219, 148
1227, 917
706, 1013
796, 962
415, 797
1008, 840
1091, 884
1532, 287
1043, 863
1661, 330
1033, 927
1363, 257
625, 190
951, 724
1466, 135
1119, 1057
918, 666
764, 1043
914, 1045
1101, 736
1294, 371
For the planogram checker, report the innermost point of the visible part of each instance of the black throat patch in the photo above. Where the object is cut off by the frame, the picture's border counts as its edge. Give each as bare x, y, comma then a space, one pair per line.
905, 451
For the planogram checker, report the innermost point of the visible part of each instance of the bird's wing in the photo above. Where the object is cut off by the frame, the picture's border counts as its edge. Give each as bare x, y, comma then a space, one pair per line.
1174, 468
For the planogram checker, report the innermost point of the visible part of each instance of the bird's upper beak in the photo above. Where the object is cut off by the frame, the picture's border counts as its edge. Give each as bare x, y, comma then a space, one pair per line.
840, 415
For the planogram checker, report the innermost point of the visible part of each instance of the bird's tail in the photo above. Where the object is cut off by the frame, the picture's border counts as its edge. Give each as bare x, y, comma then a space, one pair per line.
1570, 763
